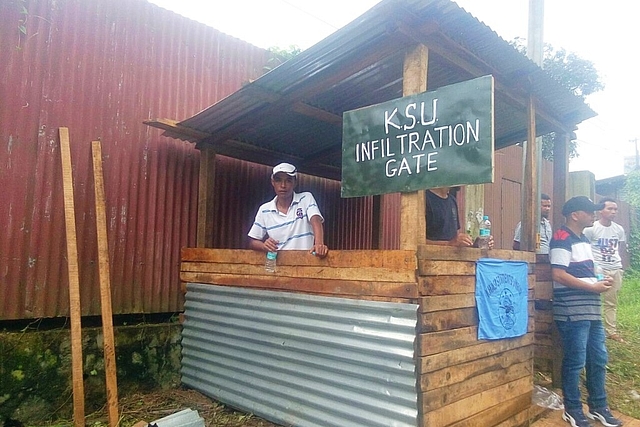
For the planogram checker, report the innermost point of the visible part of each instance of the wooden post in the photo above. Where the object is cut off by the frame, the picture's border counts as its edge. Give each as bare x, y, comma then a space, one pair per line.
560, 177
206, 184
105, 286
473, 203
75, 312
530, 197
412, 205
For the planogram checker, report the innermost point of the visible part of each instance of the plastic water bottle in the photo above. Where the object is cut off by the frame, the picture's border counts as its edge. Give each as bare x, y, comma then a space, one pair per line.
485, 232
270, 262
599, 271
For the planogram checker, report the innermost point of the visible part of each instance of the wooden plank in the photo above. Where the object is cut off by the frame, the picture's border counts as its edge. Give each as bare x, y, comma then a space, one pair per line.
446, 285
508, 413
206, 197
412, 205
75, 311
308, 285
336, 259
545, 316
464, 371
443, 339
542, 272
436, 361
543, 352
454, 253
446, 320
105, 287
476, 404
365, 273
544, 290
446, 268
447, 302
544, 340
435, 399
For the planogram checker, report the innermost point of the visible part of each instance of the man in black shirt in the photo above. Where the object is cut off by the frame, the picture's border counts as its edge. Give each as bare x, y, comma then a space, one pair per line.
443, 223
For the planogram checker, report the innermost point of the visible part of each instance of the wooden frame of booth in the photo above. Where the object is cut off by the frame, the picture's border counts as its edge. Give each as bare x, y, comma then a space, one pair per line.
460, 380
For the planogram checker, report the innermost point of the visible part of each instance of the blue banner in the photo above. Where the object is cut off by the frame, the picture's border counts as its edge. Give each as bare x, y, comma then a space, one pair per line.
501, 297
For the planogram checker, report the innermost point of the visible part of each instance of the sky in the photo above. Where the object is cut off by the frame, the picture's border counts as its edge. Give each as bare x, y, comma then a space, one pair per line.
604, 33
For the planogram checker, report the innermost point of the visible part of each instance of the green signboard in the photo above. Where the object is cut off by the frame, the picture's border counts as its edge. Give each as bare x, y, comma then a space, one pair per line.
432, 139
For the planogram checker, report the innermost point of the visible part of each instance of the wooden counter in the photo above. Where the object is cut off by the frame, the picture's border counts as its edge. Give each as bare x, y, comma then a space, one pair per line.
460, 380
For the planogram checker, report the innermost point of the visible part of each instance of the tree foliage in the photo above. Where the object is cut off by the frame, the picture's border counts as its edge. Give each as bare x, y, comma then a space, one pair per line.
280, 55
631, 194
577, 74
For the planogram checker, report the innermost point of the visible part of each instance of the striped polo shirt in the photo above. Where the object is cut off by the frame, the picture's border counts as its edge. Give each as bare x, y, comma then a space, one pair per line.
293, 229
573, 254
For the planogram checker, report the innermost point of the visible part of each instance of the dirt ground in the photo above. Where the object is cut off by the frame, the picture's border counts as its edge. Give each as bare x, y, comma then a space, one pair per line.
158, 404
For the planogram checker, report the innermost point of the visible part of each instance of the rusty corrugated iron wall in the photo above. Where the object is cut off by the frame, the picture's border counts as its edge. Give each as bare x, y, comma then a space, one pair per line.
101, 67
241, 187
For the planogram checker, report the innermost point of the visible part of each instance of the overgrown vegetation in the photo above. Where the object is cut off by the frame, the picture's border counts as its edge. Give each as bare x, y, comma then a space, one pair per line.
623, 380
631, 195
281, 55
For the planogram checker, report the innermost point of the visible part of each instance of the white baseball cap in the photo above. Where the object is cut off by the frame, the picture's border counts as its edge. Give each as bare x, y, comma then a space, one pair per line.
287, 168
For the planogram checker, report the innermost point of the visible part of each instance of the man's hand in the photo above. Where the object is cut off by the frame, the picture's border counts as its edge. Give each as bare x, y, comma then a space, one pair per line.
603, 285
490, 242
461, 239
320, 251
270, 245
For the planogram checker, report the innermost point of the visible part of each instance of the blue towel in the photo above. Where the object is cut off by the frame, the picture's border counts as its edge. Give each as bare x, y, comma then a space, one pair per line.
501, 297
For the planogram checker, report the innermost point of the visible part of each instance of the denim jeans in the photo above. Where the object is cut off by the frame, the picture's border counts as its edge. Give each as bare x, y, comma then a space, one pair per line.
584, 347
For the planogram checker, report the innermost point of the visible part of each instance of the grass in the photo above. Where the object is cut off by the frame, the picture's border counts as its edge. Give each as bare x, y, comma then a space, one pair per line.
623, 377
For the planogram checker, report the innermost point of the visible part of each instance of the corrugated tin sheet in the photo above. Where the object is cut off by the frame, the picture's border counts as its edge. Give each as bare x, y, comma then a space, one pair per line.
184, 418
302, 360
101, 67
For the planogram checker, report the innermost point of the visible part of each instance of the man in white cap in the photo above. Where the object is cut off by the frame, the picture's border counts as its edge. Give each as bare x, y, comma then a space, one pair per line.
290, 220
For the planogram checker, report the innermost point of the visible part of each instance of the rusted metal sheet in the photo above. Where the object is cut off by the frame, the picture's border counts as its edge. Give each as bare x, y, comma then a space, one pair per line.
241, 187
101, 67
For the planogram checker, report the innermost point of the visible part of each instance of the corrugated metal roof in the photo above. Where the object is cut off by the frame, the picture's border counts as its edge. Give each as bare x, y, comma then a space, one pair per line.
302, 360
294, 111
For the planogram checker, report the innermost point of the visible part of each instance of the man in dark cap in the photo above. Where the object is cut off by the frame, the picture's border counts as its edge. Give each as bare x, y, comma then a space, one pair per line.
576, 311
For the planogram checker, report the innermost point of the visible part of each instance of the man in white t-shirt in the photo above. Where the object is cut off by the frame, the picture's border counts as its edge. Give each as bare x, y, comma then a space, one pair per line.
291, 220
608, 240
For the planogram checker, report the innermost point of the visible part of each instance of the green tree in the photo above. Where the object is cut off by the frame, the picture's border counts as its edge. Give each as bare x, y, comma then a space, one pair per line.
573, 72
280, 55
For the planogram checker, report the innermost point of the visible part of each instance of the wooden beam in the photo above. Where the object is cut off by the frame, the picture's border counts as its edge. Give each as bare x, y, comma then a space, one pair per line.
175, 129
105, 287
412, 205
75, 312
317, 113
560, 176
206, 194
530, 196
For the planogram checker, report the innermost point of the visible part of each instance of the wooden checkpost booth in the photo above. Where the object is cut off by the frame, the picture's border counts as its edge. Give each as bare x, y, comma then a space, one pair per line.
386, 335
